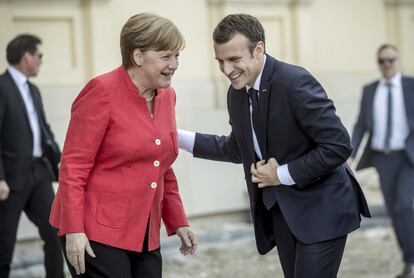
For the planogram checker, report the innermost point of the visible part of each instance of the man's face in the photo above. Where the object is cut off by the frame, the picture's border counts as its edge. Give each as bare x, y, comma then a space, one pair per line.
237, 62
33, 62
388, 62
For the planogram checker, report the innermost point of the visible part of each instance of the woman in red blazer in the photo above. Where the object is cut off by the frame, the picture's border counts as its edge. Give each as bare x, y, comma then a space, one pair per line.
116, 182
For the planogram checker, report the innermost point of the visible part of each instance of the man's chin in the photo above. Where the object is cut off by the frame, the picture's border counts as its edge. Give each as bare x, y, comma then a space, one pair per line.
238, 85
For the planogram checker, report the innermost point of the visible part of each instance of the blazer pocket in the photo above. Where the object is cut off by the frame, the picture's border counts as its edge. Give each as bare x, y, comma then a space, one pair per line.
112, 210
174, 137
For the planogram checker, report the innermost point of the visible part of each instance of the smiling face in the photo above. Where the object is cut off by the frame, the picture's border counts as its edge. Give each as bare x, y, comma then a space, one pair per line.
156, 68
237, 62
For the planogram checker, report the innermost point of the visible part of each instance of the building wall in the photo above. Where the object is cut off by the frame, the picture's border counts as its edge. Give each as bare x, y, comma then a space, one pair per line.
335, 39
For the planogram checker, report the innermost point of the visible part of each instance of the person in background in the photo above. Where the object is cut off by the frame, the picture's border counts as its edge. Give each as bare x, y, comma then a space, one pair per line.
293, 147
116, 180
387, 116
25, 167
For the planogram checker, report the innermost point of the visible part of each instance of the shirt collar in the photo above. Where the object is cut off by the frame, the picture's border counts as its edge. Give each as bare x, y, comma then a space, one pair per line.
17, 75
256, 85
395, 81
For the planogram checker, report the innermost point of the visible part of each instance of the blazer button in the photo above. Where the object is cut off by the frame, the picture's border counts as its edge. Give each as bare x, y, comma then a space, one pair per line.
154, 185
156, 163
157, 141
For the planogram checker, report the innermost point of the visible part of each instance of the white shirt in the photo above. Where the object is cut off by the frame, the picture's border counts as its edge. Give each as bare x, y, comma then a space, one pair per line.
21, 82
399, 124
187, 138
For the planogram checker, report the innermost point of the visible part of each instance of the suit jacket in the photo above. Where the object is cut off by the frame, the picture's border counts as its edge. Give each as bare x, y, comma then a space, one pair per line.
16, 138
364, 124
115, 176
302, 130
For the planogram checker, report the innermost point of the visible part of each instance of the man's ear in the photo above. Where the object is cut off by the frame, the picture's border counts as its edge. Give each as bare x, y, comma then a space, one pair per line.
259, 50
26, 58
137, 56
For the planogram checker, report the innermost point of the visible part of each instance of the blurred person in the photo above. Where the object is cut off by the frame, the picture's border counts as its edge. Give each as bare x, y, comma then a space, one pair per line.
25, 166
304, 199
387, 117
116, 180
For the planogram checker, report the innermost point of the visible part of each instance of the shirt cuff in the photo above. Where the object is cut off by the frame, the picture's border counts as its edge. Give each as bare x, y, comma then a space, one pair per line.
284, 176
186, 140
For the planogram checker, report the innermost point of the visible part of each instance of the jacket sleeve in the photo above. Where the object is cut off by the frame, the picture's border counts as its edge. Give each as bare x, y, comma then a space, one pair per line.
315, 114
87, 127
360, 126
219, 148
173, 214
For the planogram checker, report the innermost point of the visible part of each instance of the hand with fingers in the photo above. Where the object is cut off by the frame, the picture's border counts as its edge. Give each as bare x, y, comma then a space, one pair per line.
265, 173
4, 190
76, 245
188, 240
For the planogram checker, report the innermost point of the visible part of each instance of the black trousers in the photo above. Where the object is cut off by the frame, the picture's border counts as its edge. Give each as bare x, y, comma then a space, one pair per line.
111, 262
396, 175
300, 260
35, 200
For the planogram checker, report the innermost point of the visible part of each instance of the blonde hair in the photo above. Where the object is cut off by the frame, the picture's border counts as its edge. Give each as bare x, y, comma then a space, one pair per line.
147, 31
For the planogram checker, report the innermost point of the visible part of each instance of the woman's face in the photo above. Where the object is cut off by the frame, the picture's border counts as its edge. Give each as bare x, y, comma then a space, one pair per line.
157, 68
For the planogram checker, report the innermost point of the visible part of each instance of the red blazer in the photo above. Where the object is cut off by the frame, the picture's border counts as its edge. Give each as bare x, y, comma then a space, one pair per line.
115, 175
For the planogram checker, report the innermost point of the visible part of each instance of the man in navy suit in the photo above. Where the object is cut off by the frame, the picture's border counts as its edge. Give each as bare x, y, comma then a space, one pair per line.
304, 199
387, 117
25, 170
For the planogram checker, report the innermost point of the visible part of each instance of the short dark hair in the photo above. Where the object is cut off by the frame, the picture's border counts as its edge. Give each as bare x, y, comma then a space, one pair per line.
386, 45
19, 45
244, 24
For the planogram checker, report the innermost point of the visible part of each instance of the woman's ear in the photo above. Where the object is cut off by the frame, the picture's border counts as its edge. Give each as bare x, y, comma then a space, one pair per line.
137, 57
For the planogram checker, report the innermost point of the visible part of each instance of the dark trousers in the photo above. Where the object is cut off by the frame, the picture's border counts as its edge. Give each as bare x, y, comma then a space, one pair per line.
397, 184
35, 200
300, 260
111, 262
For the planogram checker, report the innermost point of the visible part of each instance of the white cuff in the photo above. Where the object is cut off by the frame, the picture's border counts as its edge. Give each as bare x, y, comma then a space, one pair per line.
284, 175
186, 140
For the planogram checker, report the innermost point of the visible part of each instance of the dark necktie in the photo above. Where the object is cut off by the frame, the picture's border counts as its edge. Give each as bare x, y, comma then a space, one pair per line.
255, 111
388, 130
269, 198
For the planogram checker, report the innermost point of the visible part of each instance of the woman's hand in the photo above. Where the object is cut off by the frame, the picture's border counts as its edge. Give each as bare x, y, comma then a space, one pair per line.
188, 241
76, 245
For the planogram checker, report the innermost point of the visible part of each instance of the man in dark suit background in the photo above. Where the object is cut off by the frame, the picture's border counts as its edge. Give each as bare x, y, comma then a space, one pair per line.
387, 117
293, 148
25, 171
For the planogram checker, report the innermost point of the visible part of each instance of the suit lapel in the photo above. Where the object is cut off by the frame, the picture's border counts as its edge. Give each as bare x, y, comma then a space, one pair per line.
19, 97
265, 89
244, 106
34, 100
408, 101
